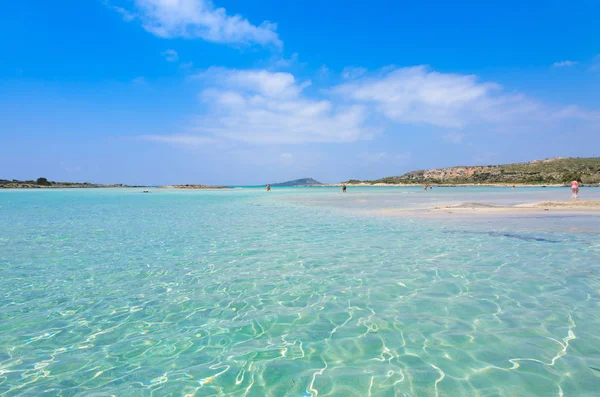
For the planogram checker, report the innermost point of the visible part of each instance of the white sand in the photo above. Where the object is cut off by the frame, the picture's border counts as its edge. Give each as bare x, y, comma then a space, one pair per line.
581, 207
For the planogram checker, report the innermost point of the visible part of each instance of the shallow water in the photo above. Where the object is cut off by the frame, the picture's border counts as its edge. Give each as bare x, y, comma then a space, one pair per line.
294, 293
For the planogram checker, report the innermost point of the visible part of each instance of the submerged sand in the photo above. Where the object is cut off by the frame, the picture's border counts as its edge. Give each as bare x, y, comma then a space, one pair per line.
581, 207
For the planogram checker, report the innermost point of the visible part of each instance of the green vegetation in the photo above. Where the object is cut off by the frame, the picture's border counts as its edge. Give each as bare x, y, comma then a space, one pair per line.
550, 171
43, 182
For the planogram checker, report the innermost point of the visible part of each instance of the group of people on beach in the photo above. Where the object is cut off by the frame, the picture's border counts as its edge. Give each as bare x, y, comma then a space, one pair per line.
574, 188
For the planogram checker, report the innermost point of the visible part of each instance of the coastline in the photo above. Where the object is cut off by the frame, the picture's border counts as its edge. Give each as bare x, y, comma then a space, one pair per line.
67, 186
507, 185
191, 186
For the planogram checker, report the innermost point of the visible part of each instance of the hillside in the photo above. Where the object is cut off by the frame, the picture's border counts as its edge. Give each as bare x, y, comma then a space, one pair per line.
299, 182
550, 171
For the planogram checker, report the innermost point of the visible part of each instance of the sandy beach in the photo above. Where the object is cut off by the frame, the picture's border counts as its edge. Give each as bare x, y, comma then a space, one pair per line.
580, 207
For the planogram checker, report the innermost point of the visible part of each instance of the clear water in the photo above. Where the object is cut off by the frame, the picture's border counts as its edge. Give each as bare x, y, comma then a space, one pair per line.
299, 292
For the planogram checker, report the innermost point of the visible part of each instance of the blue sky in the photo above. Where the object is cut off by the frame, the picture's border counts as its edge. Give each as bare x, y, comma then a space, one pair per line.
239, 92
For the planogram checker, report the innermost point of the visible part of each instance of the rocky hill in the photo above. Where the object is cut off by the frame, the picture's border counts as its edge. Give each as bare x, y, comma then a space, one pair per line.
298, 182
550, 171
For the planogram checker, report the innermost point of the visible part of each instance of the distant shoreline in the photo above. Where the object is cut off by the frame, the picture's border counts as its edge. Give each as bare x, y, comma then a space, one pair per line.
77, 185
67, 186
508, 185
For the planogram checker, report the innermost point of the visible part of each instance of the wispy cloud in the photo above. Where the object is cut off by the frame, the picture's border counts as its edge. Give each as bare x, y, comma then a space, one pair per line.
266, 107
170, 55
127, 15
280, 62
270, 107
351, 72
198, 19
418, 95
564, 64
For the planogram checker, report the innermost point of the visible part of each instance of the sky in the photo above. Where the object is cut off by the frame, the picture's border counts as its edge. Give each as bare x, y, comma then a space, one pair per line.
246, 92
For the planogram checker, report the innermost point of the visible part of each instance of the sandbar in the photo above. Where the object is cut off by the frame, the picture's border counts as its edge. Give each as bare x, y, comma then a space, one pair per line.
574, 207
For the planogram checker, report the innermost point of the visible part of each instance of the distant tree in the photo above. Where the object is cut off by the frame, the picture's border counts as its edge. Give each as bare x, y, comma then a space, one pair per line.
43, 182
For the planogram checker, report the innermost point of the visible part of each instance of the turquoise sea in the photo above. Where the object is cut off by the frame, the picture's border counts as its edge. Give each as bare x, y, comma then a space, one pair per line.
298, 292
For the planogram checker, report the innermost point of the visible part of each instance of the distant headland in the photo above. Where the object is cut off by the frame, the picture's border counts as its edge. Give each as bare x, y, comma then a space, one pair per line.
553, 171
43, 183
299, 182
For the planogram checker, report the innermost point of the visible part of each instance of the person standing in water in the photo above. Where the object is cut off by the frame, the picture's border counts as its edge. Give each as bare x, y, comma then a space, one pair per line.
268, 188
343, 188
425, 187
574, 189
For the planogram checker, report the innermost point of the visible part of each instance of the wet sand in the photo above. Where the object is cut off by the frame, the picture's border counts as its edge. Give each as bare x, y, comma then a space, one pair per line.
579, 207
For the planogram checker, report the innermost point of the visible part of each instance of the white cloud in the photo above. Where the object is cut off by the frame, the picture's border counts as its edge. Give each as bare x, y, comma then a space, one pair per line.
418, 95
280, 62
563, 64
265, 107
261, 82
269, 107
127, 15
199, 19
170, 55
350, 73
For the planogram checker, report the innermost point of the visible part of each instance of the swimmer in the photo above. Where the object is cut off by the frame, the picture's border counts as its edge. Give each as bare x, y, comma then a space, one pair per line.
514, 187
343, 188
430, 187
268, 188
425, 187
574, 189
